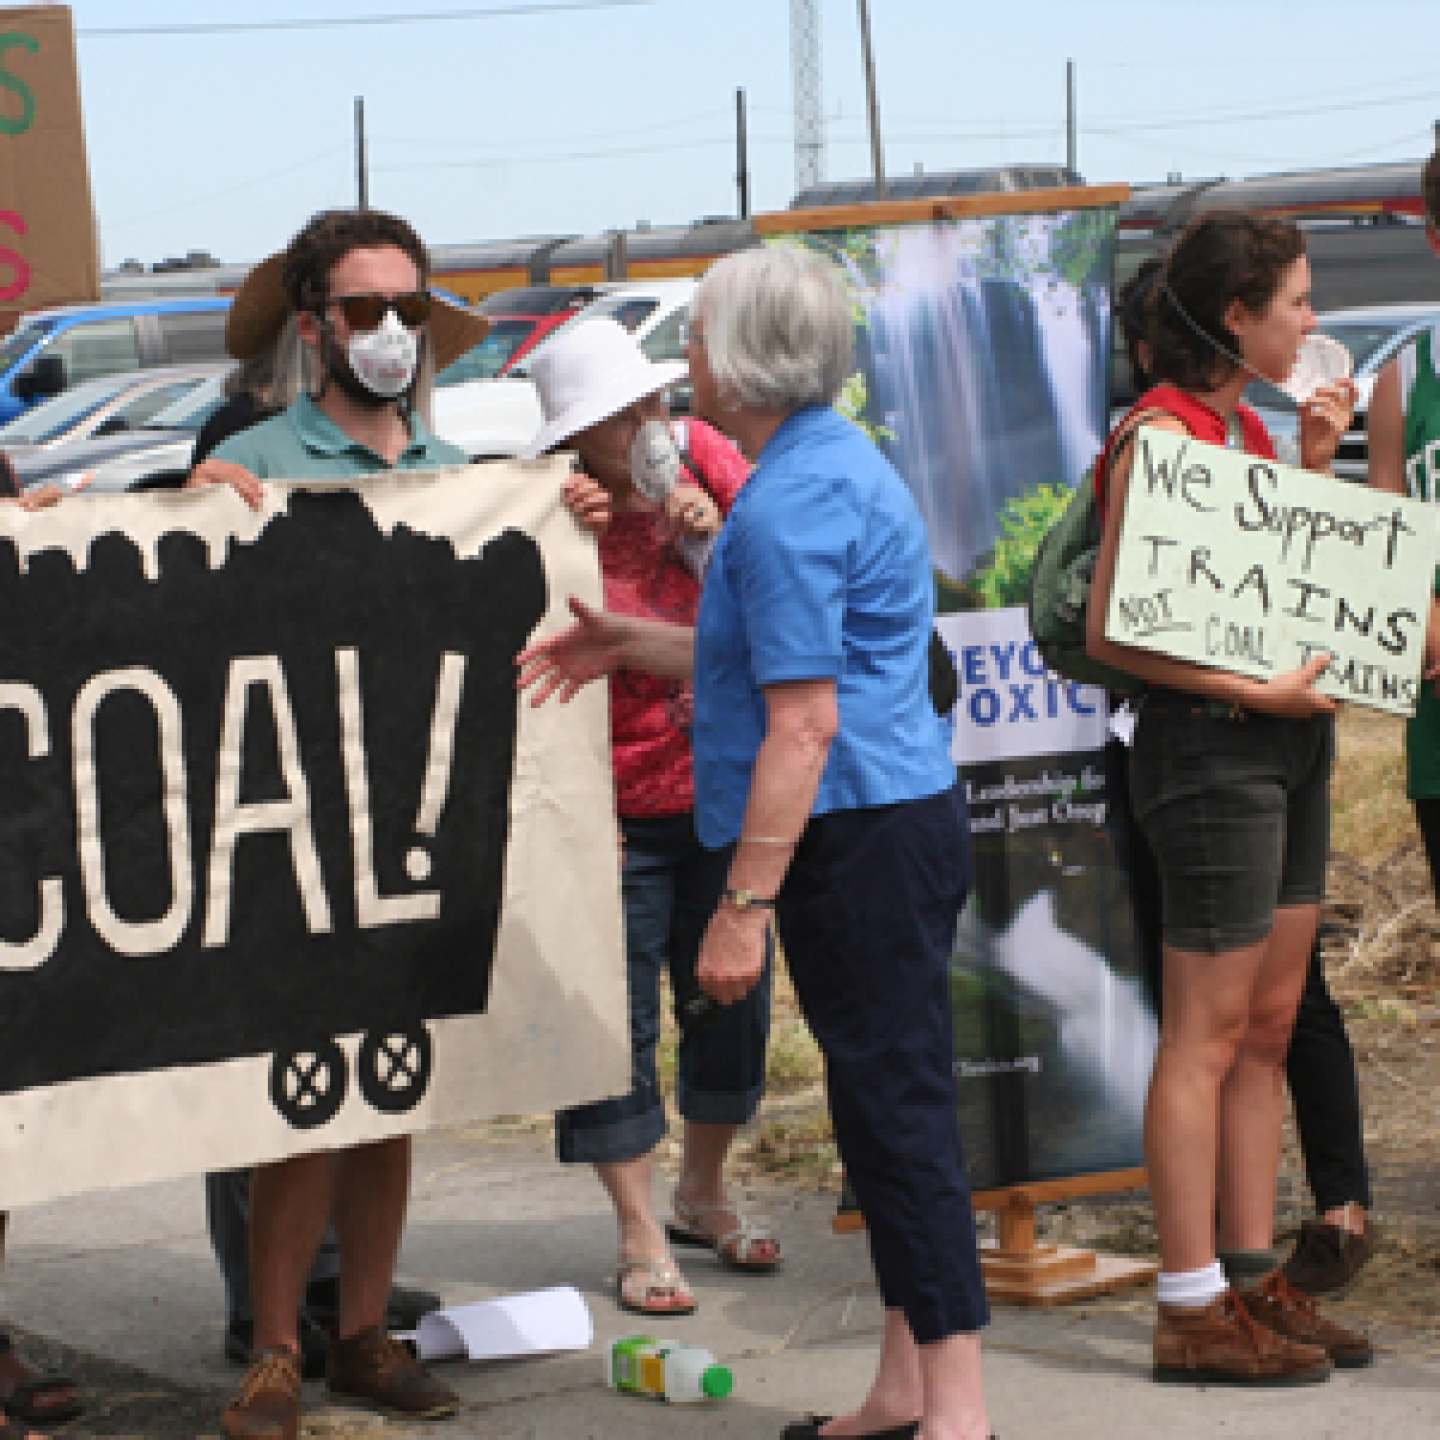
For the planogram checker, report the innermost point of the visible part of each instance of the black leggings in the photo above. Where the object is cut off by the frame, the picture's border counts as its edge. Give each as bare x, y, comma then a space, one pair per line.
1325, 1089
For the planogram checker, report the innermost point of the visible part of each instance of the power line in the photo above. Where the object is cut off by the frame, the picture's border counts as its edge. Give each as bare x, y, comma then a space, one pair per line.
231, 189
336, 22
510, 147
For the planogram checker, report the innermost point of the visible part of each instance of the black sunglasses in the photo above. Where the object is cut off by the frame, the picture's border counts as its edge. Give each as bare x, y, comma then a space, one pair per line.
365, 312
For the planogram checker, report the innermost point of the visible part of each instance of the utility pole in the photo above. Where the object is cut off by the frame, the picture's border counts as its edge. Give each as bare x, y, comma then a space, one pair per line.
742, 160
1071, 157
805, 82
362, 169
872, 105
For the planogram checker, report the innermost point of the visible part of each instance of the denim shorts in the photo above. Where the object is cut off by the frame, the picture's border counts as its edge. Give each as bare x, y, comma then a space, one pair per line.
1236, 807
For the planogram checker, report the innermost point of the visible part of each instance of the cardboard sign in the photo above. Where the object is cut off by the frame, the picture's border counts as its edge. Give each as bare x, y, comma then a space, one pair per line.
1242, 564
280, 845
48, 253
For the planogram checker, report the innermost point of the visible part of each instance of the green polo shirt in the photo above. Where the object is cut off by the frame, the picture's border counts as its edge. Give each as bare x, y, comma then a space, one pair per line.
304, 443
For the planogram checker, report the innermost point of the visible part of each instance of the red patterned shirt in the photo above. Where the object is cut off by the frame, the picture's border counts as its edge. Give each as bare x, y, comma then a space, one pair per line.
645, 574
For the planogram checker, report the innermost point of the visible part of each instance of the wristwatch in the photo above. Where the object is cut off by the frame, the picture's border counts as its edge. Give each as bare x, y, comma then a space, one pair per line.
746, 900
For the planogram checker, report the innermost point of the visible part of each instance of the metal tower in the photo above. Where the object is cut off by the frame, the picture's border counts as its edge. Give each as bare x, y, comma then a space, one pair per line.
805, 76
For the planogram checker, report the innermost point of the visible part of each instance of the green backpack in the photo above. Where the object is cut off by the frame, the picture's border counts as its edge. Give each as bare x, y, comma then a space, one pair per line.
1060, 590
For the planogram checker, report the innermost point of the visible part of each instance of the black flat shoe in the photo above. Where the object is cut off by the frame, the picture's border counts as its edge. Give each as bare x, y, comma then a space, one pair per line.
809, 1429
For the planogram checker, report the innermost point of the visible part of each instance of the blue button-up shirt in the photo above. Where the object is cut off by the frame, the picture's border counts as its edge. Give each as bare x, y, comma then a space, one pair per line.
304, 443
821, 572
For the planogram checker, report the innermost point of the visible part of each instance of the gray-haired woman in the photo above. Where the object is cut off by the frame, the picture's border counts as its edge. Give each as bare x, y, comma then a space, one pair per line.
821, 766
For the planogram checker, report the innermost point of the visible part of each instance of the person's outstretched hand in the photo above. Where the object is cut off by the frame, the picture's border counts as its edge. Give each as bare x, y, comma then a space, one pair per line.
567, 662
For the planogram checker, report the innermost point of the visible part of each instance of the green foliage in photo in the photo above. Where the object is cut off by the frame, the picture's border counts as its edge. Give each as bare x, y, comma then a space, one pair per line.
1005, 579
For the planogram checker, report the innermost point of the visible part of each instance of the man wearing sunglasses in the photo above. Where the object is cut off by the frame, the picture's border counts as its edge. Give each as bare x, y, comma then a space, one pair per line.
369, 339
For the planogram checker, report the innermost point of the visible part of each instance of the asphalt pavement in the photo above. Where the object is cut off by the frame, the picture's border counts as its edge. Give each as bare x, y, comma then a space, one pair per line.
120, 1287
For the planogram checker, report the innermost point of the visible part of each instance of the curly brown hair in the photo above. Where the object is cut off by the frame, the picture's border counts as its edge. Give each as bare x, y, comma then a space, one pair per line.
1430, 188
333, 234
1219, 257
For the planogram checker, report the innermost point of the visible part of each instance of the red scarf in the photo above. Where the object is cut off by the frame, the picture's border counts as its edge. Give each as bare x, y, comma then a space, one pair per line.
1197, 417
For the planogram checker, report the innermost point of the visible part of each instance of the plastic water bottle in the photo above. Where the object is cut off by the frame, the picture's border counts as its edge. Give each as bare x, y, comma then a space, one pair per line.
641, 1365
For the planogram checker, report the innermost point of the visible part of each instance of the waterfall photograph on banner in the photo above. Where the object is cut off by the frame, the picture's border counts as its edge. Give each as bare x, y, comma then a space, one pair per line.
982, 348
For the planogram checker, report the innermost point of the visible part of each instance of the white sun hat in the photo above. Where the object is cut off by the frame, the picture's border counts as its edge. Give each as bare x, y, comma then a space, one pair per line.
590, 371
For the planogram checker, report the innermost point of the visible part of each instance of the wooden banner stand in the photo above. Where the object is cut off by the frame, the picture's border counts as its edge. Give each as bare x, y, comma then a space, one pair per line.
1019, 1269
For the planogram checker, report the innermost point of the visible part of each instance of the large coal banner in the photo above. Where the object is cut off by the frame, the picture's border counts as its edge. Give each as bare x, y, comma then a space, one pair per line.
982, 342
280, 850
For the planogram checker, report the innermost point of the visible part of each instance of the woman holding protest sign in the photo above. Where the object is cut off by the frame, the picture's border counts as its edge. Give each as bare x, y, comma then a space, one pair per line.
823, 774
1230, 780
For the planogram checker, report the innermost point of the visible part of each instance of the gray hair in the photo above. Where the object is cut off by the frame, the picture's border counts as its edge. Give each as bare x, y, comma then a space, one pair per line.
777, 328
270, 376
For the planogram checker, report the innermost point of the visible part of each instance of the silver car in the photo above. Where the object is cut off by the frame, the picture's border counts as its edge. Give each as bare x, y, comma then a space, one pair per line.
110, 405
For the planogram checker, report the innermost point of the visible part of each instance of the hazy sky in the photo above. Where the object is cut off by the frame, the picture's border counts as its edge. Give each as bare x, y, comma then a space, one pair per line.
581, 121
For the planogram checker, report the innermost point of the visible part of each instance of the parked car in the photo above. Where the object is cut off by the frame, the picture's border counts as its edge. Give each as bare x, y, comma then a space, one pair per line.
655, 312
1374, 335
488, 419
51, 350
493, 418
519, 320
156, 454
111, 405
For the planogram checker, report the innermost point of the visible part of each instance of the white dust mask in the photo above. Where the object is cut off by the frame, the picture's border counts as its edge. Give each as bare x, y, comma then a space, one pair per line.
1321, 361
384, 359
654, 461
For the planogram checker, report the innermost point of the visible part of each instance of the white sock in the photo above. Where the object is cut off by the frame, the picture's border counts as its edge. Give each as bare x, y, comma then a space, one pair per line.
1191, 1289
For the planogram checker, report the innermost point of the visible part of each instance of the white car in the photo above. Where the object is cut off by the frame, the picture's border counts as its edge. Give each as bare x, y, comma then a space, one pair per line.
487, 419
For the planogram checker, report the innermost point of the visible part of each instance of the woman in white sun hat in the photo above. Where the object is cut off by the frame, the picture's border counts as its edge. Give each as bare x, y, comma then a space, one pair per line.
670, 487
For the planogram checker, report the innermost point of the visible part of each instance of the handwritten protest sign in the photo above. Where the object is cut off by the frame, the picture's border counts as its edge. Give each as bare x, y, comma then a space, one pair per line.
48, 254
1243, 564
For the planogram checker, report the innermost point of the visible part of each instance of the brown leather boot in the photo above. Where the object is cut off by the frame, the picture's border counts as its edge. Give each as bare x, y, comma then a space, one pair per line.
1280, 1307
374, 1368
268, 1405
1220, 1344
1326, 1257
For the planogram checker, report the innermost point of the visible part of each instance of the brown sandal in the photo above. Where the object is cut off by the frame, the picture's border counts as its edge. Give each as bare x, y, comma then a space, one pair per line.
372, 1367
12, 1429
26, 1399
268, 1405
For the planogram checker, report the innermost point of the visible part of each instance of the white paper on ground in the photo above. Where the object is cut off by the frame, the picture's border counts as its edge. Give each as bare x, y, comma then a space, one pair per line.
532, 1323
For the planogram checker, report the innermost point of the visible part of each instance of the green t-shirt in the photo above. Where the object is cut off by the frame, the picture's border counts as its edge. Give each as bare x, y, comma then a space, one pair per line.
1422, 478
304, 443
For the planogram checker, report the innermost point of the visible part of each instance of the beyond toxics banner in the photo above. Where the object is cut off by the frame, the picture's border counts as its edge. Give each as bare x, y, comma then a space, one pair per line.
982, 347
279, 845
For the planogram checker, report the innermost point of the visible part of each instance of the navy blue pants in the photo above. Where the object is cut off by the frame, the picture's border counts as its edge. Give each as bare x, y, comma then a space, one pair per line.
867, 919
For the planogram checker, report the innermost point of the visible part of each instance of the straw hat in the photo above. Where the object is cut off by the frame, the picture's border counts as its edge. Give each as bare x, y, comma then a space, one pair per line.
260, 308
590, 371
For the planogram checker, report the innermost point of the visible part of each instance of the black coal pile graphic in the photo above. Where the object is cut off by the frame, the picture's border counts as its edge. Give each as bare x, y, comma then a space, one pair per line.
248, 809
